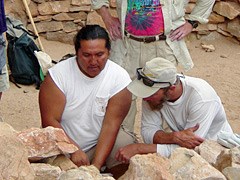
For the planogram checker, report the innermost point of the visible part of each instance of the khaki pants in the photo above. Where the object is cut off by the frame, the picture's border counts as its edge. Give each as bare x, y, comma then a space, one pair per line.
136, 55
124, 138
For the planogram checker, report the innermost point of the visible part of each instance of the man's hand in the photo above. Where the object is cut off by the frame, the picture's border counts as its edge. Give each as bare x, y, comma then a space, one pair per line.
125, 153
114, 28
181, 32
187, 138
80, 158
112, 24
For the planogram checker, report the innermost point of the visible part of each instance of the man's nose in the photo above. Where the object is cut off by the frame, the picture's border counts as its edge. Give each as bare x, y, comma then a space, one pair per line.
93, 59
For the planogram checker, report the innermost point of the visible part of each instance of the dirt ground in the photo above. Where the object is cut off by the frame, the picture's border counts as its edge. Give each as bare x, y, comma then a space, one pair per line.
19, 106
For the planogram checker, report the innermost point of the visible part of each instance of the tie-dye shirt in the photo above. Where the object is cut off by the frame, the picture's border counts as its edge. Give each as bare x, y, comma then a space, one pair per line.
144, 18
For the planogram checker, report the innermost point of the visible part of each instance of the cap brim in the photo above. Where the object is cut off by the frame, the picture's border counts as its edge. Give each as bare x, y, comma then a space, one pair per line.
137, 88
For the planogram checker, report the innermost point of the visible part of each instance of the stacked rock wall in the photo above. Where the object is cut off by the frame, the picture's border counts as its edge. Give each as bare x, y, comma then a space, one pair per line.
59, 20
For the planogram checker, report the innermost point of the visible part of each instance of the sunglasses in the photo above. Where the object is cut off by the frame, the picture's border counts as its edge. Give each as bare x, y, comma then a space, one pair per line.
146, 80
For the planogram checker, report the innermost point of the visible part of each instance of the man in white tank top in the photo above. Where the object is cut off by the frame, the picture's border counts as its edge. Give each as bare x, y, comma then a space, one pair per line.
87, 97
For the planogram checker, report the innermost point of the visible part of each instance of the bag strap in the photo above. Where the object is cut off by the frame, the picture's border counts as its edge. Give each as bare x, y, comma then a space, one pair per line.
28, 32
19, 26
11, 79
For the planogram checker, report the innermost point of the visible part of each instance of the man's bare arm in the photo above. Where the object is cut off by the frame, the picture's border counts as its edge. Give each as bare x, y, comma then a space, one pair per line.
52, 102
112, 24
117, 109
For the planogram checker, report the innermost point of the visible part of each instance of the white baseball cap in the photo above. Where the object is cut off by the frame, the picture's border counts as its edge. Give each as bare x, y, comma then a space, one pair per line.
158, 73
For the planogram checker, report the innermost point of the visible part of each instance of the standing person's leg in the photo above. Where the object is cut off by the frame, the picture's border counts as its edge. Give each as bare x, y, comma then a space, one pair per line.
131, 63
156, 49
4, 81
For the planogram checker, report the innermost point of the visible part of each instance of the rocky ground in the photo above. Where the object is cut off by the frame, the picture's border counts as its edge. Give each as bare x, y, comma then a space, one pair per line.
19, 106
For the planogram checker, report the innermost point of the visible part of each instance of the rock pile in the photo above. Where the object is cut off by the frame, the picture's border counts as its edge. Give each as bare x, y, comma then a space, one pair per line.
60, 20
43, 153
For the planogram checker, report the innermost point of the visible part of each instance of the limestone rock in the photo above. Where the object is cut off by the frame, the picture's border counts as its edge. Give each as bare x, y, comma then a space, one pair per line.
228, 158
53, 7
61, 161
81, 2
227, 9
148, 167
62, 17
45, 26
187, 164
45, 171
84, 172
33, 9
14, 162
232, 173
208, 48
235, 156
45, 142
224, 160
209, 150
42, 18
61, 36
215, 18
80, 8
233, 27
70, 27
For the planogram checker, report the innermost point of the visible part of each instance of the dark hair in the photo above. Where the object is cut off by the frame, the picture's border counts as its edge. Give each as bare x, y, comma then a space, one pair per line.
91, 32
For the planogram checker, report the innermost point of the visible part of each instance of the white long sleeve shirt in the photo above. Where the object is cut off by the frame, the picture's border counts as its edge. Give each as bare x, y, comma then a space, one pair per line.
199, 103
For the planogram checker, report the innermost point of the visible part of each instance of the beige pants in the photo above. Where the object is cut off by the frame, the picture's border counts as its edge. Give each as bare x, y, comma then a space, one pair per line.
124, 138
138, 53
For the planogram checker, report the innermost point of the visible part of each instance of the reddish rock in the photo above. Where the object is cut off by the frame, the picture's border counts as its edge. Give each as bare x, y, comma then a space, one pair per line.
45, 142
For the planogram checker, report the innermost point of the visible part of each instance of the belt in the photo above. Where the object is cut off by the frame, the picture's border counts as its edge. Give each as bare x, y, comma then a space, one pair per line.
146, 39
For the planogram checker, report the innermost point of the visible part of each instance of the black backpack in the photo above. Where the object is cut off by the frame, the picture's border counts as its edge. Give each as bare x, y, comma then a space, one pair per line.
24, 66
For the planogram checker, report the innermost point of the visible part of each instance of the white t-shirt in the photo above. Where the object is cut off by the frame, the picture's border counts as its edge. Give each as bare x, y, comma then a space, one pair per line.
199, 103
86, 98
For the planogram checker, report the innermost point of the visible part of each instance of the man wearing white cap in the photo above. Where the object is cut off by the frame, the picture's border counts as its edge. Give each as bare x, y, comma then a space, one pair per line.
190, 106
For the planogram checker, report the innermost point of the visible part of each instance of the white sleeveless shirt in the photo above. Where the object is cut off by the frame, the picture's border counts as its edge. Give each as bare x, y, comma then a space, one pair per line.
86, 98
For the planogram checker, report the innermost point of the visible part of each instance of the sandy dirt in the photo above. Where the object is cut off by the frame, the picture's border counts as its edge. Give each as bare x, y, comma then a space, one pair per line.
19, 106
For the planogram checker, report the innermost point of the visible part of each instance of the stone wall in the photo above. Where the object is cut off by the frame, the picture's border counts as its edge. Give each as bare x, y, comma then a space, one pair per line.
60, 20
